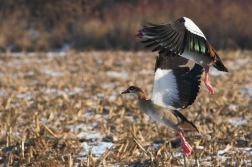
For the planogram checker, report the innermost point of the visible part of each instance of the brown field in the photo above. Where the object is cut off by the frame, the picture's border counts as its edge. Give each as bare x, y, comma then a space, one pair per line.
64, 109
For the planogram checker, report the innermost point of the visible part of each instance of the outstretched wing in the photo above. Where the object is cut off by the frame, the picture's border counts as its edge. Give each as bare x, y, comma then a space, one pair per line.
175, 84
195, 74
175, 37
165, 37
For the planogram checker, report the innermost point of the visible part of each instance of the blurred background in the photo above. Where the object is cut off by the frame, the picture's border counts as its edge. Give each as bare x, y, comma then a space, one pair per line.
55, 25
61, 108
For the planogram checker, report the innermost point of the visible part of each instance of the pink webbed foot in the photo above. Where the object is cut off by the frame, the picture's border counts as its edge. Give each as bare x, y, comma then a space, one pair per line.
207, 81
185, 146
209, 86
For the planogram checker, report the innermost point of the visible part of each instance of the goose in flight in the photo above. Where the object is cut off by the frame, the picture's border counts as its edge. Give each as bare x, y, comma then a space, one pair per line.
184, 38
175, 86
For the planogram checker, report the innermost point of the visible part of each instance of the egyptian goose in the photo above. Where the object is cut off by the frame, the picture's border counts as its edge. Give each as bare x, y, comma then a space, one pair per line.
184, 38
175, 86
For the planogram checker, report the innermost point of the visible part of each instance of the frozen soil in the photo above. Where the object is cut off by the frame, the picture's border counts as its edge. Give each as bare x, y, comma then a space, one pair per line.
65, 109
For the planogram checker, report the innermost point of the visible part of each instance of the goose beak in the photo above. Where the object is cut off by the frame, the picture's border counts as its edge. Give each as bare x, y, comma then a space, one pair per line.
126, 91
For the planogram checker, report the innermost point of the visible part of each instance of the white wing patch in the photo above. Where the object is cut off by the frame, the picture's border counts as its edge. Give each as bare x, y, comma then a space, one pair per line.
165, 89
193, 28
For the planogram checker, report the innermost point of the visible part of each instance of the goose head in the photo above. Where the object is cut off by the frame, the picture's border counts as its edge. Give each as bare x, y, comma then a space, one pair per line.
135, 90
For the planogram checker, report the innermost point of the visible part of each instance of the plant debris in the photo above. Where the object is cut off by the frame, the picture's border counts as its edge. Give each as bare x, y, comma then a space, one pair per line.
65, 109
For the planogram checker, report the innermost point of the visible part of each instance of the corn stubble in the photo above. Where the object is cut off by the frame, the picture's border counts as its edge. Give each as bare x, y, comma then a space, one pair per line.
38, 108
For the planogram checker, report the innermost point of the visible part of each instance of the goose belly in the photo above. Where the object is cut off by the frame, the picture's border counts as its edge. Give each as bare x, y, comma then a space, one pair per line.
159, 114
202, 60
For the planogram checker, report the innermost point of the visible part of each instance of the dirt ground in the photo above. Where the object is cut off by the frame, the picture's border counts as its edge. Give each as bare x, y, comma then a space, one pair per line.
65, 109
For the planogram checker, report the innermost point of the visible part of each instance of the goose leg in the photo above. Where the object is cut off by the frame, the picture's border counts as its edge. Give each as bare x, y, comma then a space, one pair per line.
185, 146
207, 81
